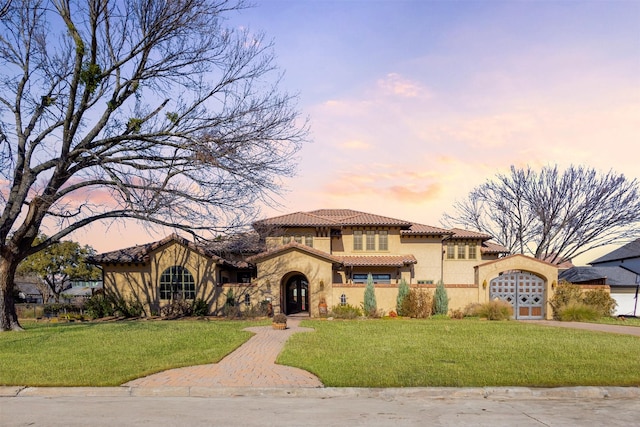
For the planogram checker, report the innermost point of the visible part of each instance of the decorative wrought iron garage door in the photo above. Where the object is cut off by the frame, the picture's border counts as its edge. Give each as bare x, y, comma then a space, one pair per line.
525, 292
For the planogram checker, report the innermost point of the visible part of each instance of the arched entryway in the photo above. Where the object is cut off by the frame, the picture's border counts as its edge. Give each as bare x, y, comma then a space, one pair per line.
524, 290
296, 295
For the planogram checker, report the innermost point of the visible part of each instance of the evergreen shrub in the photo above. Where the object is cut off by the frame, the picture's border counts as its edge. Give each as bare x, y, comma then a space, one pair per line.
346, 311
440, 300
370, 305
403, 291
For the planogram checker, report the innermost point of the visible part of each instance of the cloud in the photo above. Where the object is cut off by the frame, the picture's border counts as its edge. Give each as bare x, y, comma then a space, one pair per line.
397, 186
394, 84
355, 144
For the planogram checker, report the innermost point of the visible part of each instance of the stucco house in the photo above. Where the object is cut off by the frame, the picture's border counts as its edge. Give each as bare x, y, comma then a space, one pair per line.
620, 270
296, 260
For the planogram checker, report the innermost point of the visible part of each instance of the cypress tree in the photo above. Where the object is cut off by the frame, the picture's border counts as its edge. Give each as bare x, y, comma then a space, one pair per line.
370, 304
440, 300
403, 291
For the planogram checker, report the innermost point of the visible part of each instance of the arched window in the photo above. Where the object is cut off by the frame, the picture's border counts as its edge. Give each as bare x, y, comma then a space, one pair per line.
178, 282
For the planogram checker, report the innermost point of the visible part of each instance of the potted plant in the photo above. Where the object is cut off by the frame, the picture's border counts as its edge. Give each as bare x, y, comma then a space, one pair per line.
279, 321
322, 307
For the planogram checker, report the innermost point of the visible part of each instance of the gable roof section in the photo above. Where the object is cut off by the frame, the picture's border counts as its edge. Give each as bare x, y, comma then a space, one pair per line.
142, 253
296, 219
630, 250
515, 256
332, 217
294, 246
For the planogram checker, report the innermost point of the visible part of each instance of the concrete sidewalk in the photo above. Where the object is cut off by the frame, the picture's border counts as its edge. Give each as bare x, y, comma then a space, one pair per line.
237, 406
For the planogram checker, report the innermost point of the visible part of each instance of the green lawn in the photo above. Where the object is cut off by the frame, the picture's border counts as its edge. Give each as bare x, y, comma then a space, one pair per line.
444, 353
109, 354
372, 353
628, 321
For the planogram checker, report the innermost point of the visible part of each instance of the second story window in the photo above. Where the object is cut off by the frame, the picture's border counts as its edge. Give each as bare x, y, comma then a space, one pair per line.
473, 250
357, 240
308, 240
462, 250
451, 254
383, 240
371, 240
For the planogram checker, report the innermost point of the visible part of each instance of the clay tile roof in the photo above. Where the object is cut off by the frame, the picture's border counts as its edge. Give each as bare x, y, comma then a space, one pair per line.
378, 260
297, 219
351, 217
140, 253
420, 229
331, 217
294, 245
459, 233
493, 248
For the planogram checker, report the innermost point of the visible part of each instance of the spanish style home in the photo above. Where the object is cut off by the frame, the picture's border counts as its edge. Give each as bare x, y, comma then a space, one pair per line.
295, 261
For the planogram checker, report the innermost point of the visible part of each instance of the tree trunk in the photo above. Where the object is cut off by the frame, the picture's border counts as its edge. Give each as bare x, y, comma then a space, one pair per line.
8, 314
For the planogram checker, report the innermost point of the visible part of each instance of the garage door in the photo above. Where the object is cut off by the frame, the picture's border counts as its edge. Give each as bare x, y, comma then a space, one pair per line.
525, 292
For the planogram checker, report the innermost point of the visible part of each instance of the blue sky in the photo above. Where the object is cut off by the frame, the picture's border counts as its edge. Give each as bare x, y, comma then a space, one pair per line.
414, 103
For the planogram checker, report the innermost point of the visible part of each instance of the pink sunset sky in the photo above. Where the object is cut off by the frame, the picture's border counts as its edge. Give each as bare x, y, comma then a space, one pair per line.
414, 103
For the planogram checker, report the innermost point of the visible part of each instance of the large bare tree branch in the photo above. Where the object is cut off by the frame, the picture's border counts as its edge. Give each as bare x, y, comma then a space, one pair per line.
154, 104
553, 215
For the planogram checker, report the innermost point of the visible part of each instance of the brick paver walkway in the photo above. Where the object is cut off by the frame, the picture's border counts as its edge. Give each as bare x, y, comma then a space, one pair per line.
251, 365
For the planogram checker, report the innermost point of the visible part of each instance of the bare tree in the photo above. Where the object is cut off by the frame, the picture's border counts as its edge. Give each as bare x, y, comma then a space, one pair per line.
552, 215
150, 110
4, 7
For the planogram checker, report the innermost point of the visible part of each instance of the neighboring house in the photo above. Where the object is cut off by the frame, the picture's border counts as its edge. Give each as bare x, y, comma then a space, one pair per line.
620, 270
30, 290
296, 260
80, 290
